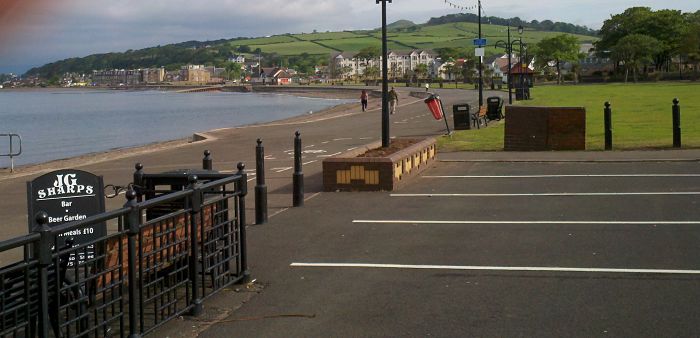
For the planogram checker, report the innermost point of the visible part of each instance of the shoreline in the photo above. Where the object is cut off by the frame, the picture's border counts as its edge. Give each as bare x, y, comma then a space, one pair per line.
197, 137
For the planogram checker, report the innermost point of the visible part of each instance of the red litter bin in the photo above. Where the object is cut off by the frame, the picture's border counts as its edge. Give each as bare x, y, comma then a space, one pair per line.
435, 107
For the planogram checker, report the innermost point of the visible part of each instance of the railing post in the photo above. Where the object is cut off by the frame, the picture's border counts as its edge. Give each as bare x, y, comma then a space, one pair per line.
260, 187
42, 252
195, 205
207, 161
607, 116
133, 228
676, 112
298, 176
138, 181
243, 186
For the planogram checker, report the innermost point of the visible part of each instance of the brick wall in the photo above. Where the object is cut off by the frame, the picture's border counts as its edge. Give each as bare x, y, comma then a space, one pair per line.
545, 128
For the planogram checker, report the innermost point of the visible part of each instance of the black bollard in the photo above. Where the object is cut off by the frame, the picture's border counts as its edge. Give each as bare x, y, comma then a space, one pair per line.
608, 126
207, 161
298, 176
676, 124
260, 187
138, 182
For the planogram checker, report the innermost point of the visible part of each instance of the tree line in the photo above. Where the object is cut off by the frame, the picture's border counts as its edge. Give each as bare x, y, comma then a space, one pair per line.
640, 37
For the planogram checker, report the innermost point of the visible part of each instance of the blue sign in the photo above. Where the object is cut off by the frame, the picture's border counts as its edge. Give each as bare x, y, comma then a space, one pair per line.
480, 42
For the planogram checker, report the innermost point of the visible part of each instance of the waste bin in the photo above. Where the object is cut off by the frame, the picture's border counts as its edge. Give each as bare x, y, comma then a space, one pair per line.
494, 104
460, 113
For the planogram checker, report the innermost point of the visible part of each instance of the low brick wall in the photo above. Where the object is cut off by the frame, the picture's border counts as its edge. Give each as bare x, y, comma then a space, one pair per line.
347, 172
545, 128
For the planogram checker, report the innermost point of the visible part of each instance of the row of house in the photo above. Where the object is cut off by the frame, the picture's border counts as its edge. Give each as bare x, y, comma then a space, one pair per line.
400, 63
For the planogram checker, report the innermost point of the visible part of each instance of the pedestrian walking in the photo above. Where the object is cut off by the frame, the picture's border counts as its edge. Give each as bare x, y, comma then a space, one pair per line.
364, 97
393, 100
427, 87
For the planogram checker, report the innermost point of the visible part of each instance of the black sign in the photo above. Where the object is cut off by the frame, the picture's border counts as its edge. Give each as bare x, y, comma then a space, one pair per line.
68, 196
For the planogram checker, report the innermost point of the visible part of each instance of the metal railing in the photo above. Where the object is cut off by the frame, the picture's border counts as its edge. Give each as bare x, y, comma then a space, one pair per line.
145, 272
12, 153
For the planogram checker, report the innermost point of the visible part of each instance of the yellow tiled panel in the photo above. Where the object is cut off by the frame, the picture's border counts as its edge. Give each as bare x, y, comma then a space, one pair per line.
342, 176
424, 156
357, 172
398, 170
372, 177
407, 165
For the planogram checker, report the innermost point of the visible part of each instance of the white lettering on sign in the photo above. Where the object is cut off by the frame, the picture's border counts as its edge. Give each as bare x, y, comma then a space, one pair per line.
65, 185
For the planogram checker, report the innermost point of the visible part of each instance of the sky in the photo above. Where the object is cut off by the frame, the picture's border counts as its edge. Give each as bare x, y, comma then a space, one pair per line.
36, 32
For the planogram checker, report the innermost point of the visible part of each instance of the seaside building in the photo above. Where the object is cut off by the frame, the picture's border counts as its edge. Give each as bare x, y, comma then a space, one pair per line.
153, 75
195, 73
402, 64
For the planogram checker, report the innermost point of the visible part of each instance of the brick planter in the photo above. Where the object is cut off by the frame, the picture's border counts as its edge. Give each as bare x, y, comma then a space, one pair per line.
347, 172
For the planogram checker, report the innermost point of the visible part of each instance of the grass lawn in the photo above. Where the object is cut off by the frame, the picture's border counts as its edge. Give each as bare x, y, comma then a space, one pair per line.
641, 115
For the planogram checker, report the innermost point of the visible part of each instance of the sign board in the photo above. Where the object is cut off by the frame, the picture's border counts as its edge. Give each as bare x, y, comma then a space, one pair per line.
67, 196
479, 52
480, 42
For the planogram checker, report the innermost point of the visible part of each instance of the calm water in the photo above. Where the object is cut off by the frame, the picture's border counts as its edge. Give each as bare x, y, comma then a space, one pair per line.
60, 124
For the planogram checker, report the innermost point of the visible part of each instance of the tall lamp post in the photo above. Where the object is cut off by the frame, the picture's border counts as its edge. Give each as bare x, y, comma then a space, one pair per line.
385, 80
508, 46
481, 80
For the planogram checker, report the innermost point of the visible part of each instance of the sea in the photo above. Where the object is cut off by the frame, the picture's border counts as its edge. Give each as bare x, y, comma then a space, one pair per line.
57, 124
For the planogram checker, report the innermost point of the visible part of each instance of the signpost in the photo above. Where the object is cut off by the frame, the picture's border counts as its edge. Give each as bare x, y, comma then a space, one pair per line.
66, 196
479, 42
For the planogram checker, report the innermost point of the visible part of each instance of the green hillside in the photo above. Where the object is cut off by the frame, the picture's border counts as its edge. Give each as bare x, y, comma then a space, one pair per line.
296, 50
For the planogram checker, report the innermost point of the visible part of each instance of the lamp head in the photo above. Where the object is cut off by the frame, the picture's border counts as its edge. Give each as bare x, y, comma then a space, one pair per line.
520, 29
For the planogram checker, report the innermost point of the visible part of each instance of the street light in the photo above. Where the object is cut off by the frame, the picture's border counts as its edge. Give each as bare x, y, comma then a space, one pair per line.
385, 81
508, 46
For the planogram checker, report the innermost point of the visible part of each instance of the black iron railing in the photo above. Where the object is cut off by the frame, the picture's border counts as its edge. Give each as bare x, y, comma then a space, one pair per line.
150, 268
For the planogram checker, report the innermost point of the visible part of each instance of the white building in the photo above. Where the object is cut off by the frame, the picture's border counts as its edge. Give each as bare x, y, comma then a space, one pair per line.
401, 64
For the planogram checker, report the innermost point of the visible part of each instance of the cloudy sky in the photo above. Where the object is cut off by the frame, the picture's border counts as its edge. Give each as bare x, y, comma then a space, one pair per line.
35, 32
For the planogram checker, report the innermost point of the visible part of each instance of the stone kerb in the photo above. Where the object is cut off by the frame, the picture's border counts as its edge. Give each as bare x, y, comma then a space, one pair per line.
348, 172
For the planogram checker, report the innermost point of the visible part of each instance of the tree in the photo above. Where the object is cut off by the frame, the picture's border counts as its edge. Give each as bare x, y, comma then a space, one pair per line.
368, 53
690, 41
557, 50
371, 72
634, 51
233, 70
421, 70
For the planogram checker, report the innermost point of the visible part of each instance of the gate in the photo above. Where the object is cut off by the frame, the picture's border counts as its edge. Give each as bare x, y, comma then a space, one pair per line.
12, 152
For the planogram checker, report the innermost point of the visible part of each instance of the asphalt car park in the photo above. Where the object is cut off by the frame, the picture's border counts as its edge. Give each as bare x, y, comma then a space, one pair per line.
488, 249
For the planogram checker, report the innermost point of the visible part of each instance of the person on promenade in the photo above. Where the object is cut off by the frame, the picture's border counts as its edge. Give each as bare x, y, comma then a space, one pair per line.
393, 100
363, 98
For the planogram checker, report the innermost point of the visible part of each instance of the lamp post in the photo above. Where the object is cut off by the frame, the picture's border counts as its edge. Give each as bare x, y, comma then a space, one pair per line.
523, 72
481, 80
509, 49
385, 81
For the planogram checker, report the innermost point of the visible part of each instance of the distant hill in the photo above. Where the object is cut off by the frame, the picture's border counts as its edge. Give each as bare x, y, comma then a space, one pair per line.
400, 25
304, 51
546, 25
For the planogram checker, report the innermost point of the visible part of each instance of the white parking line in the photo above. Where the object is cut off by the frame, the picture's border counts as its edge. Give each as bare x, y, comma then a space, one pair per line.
342, 139
528, 222
660, 193
313, 145
353, 148
563, 176
492, 268
312, 161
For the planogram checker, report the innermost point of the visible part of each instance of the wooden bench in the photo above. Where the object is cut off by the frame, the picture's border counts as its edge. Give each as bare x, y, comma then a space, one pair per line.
479, 116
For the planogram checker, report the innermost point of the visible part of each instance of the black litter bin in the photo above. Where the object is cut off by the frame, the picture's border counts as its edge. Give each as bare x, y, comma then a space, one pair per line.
494, 105
460, 112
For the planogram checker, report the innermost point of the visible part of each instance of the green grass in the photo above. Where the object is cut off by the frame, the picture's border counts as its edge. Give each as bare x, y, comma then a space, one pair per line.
641, 115
428, 37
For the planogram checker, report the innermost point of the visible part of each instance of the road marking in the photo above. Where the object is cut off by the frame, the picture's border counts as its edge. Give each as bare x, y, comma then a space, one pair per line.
282, 169
330, 155
493, 268
313, 145
312, 161
269, 157
529, 222
324, 142
661, 193
353, 148
366, 138
564, 176
342, 139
